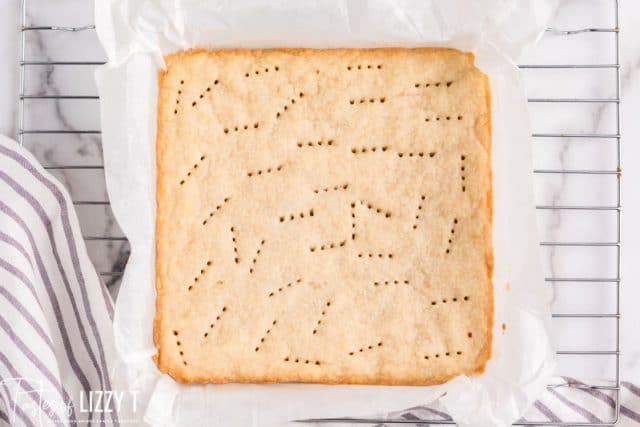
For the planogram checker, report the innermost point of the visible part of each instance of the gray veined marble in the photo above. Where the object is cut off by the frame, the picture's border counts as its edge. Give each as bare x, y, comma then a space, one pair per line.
85, 184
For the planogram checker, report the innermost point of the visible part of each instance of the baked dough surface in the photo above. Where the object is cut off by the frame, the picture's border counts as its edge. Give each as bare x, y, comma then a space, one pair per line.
323, 216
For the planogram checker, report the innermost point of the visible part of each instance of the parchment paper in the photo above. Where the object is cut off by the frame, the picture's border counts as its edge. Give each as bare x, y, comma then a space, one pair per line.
135, 35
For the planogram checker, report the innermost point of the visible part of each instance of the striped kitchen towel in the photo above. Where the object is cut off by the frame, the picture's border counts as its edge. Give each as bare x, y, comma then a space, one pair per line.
569, 402
56, 338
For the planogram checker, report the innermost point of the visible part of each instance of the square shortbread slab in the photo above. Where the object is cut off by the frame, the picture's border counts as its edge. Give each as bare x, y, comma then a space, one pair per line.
323, 216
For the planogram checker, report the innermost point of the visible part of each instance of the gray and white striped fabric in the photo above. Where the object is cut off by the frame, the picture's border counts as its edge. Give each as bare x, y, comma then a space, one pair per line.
56, 338
571, 402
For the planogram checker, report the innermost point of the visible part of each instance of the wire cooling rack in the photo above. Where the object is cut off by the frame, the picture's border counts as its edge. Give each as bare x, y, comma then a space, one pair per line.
598, 320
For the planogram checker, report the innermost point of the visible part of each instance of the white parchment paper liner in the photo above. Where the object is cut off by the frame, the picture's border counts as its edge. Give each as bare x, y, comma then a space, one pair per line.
135, 35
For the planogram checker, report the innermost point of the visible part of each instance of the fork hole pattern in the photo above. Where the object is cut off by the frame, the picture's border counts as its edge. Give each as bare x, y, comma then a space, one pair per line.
200, 275
193, 169
300, 215
284, 288
264, 70
375, 255
353, 220
290, 359
234, 240
419, 154
265, 335
215, 210
175, 111
419, 210
380, 100
289, 104
255, 258
433, 356
215, 322
443, 118
179, 345
391, 282
364, 67
238, 128
462, 173
334, 188
433, 84
366, 348
327, 246
259, 172
193, 103
202, 94
322, 316
372, 208
369, 149
465, 298
452, 232
320, 143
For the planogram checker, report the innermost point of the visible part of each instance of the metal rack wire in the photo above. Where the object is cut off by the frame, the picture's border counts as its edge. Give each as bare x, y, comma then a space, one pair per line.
612, 386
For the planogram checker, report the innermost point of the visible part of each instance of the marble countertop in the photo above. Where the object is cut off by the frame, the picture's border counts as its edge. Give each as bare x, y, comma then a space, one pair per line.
552, 189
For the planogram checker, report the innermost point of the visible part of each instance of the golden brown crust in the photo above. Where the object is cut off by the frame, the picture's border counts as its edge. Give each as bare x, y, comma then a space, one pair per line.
485, 354
158, 277
180, 372
185, 378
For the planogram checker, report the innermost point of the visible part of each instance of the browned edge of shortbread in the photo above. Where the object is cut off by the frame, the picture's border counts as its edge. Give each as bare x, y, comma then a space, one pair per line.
486, 141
